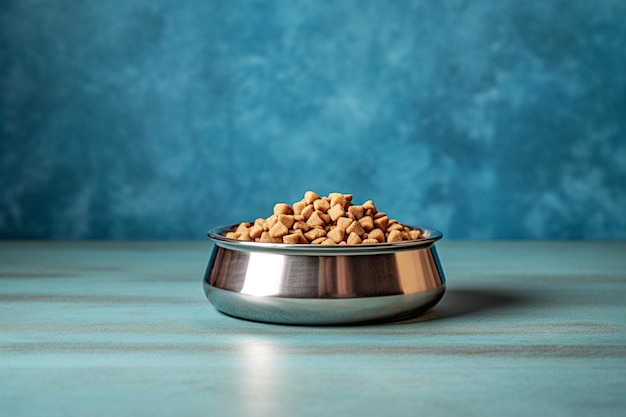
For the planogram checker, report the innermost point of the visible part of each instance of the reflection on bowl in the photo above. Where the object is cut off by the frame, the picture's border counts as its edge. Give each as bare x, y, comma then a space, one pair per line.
323, 285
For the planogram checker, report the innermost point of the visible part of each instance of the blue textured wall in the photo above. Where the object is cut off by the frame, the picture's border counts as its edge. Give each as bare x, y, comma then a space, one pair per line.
160, 119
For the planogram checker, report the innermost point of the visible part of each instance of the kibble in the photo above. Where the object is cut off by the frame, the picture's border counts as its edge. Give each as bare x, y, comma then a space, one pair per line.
328, 220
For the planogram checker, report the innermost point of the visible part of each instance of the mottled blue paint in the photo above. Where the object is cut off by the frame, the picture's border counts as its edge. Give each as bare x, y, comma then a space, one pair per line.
159, 119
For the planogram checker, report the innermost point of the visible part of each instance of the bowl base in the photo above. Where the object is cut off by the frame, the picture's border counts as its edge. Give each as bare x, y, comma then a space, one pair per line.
323, 311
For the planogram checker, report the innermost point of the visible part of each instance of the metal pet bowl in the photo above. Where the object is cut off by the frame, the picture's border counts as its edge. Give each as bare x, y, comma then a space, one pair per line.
323, 285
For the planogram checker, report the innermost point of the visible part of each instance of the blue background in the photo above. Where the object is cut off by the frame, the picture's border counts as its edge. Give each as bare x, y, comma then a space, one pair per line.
160, 119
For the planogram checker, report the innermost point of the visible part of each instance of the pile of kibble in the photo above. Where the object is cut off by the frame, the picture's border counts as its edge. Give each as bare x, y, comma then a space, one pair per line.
331, 220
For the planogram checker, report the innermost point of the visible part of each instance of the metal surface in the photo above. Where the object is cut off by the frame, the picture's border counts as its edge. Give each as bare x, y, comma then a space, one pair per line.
308, 284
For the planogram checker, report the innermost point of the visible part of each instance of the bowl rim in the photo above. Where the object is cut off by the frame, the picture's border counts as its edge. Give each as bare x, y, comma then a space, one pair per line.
215, 234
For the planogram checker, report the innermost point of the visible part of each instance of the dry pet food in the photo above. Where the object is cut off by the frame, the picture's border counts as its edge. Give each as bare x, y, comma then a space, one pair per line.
329, 220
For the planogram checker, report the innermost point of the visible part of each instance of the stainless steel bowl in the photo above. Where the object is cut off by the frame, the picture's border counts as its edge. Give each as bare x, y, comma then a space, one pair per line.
323, 285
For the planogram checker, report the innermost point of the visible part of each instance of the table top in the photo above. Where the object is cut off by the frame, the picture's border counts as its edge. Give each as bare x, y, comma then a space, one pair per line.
124, 328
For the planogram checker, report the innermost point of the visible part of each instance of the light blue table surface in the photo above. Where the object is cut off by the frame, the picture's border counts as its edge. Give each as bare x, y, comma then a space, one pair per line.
123, 328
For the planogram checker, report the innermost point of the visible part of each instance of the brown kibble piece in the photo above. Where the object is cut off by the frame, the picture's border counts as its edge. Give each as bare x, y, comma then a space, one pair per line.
318, 241
367, 222
329, 242
369, 205
321, 205
255, 231
297, 207
356, 211
332, 196
395, 226
278, 230
282, 208
295, 238
233, 235
315, 220
336, 211
242, 227
310, 197
245, 235
381, 222
369, 241
338, 198
415, 234
377, 234
300, 225
307, 211
324, 216
313, 234
354, 239
394, 236
356, 227
336, 234
287, 219
344, 222
265, 237
270, 221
